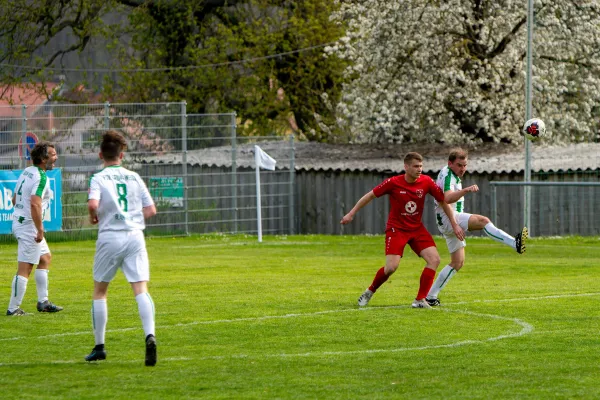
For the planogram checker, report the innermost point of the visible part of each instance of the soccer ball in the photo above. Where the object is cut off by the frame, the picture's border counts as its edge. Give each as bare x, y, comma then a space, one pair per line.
534, 129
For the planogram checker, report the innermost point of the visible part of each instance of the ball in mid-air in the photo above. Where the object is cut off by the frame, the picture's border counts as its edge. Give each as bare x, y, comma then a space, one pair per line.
534, 129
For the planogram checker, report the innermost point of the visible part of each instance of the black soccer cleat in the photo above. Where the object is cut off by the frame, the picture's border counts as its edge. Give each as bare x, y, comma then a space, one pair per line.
17, 313
520, 240
433, 302
98, 353
48, 306
150, 351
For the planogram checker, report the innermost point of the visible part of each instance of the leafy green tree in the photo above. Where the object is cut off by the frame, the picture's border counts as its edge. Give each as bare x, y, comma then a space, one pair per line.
214, 54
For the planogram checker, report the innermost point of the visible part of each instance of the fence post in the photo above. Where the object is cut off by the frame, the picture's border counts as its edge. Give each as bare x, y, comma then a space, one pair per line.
184, 165
292, 176
23, 160
106, 115
234, 171
494, 204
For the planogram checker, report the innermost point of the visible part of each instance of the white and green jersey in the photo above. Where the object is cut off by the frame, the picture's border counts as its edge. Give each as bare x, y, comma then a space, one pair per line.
447, 180
32, 182
121, 194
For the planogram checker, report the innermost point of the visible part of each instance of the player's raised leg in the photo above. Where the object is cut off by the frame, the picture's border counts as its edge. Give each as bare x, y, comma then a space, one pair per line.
479, 222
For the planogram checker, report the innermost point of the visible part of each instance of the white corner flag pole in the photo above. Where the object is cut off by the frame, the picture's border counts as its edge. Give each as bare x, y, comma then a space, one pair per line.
261, 160
258, 200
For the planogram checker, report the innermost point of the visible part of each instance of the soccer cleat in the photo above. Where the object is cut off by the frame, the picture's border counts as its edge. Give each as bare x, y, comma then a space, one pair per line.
364, 298
433, 302
420, 304
98, 353
520, 240
150, 351
17, 313
47, 306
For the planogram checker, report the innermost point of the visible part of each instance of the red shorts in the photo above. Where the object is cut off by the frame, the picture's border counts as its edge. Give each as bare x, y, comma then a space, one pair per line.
396, 240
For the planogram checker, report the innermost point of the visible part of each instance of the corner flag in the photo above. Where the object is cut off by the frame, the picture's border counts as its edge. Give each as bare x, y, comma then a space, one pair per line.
265, 161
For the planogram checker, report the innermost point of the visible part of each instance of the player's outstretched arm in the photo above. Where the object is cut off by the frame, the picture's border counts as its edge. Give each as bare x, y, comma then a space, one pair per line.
366, 199
452, 196
460, 234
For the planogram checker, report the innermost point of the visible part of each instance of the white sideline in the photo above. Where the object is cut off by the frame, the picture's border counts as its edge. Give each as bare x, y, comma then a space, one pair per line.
526, 328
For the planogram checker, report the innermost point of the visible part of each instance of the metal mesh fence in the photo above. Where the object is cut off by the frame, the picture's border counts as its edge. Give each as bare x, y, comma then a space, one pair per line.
200, 174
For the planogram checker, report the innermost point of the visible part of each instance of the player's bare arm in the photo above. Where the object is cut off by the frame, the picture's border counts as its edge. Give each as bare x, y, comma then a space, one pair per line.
366, 199
460, 234
149, 211
452, 196
93, 211
36, 216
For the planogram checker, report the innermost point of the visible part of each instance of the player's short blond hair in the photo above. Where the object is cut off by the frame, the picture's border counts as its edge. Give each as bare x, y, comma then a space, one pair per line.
412, 156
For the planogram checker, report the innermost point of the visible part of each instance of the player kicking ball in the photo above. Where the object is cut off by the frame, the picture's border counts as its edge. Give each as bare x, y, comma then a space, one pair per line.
449, 181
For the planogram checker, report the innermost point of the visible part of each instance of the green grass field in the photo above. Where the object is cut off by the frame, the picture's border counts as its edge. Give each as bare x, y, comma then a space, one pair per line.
238, 319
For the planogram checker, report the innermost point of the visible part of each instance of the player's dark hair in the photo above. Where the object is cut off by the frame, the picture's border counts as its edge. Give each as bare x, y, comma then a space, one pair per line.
112, 145
412, 156
40, 151
458, 153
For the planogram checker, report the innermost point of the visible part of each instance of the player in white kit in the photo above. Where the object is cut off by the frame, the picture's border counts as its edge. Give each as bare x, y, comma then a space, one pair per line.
31, 200
119, 202
449, 180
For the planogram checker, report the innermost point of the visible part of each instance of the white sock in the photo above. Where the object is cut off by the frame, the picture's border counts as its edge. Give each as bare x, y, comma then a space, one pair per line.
99, 319
17, 292
41, 283
146, 310
441, 281
499, 235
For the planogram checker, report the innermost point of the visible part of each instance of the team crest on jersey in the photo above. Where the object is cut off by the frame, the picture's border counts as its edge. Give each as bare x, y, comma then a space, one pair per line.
420, 193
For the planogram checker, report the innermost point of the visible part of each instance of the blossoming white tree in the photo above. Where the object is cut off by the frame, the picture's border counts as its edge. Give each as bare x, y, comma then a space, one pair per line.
454, 70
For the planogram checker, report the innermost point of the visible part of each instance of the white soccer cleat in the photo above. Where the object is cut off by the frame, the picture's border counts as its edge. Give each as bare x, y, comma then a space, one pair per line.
364, 298
420, 304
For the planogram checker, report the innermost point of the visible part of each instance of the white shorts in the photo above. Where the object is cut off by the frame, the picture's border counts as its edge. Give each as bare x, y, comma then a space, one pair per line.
446, 230
121, 249
29, 250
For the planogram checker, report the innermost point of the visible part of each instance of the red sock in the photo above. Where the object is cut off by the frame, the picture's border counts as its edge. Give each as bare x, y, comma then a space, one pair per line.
426, 282
380, 278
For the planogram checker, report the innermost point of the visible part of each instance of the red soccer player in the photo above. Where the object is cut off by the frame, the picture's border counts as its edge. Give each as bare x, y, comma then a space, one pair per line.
404, 225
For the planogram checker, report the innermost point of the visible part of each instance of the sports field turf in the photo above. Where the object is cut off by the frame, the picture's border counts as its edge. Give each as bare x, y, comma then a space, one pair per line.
238, 319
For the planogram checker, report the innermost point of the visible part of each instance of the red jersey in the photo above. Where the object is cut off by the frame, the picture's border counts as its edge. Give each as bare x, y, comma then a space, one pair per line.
407, 200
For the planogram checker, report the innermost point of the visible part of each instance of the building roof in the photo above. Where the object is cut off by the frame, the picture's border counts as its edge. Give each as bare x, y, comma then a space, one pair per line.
485, 158
14, 96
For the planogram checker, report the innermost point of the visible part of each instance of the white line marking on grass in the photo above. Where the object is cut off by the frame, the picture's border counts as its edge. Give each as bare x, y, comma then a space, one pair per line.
299, 315
526, 328
225, 243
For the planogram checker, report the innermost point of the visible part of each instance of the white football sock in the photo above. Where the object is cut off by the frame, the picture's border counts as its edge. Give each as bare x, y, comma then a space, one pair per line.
99, 319
41, 283
17, 292
499, 235
441, 281
146, 310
